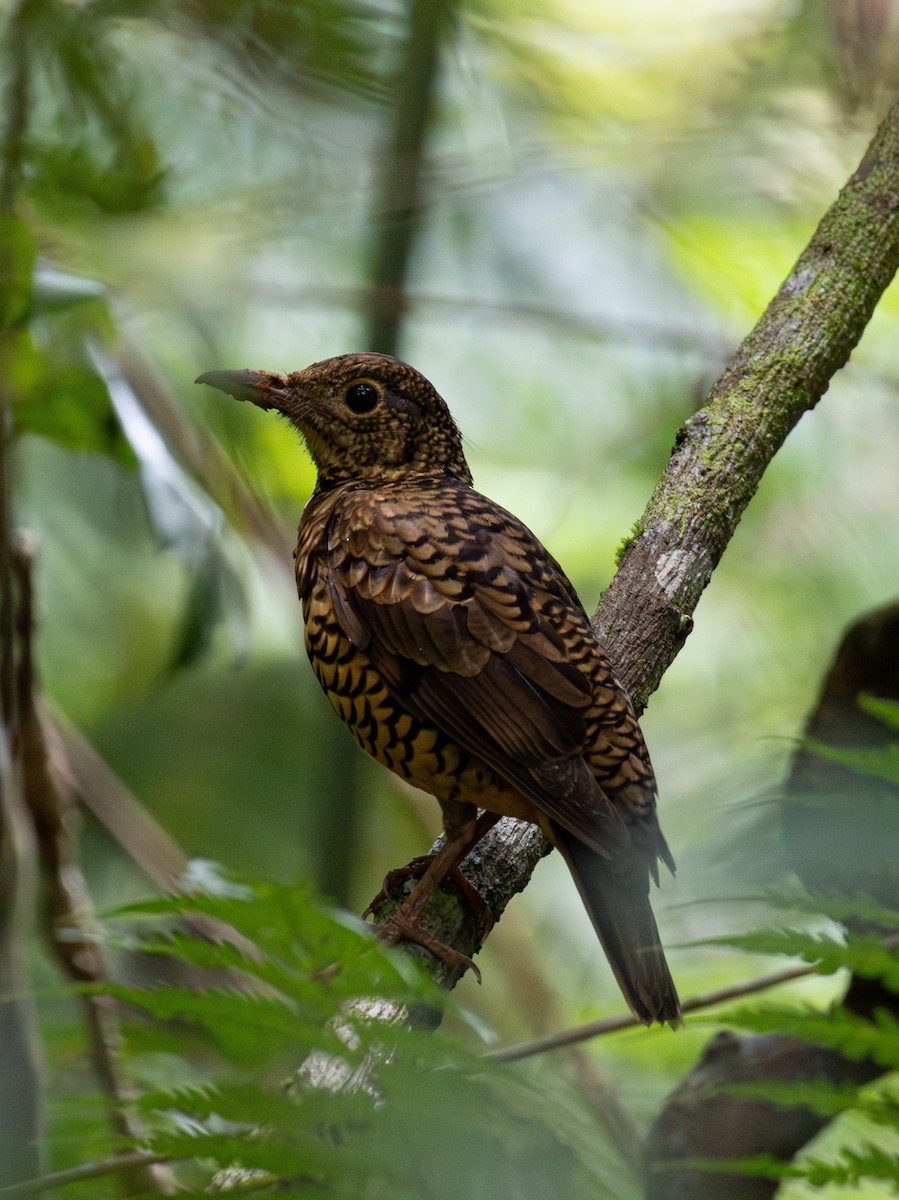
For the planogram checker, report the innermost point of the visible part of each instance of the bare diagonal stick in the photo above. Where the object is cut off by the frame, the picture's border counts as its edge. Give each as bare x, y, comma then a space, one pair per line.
583, 1033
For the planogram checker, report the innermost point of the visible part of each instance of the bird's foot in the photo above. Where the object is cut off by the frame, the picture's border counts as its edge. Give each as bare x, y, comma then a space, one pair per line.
401, 928
416, 869
404, 924
412, 870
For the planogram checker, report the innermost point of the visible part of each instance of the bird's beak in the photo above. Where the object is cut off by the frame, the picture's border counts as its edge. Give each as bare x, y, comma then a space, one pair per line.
259, 387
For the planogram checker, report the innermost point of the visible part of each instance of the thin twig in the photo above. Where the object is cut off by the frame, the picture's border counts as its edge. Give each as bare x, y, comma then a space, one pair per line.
68, 911
91, 1170
112, 803
569, 1037
685, 337
201, 454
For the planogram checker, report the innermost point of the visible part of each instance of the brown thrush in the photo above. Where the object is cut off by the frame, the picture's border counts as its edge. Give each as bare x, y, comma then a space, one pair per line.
455, 649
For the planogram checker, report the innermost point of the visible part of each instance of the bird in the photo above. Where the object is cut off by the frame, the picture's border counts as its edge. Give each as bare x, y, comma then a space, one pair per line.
454, 647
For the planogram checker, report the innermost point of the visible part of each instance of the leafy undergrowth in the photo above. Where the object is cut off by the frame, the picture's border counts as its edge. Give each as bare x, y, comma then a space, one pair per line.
858, 1148
272, 1077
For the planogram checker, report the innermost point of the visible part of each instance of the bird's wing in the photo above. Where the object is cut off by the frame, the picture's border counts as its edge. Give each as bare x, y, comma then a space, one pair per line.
476, 630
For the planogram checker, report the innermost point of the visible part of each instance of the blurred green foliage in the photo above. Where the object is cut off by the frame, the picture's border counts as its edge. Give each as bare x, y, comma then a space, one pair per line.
609, 197
283, 1071
420, 1115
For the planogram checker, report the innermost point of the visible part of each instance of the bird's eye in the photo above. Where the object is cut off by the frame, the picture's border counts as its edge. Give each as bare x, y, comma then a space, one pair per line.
362, 397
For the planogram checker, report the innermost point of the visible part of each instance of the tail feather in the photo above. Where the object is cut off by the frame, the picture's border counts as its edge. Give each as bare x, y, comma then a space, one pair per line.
618, 903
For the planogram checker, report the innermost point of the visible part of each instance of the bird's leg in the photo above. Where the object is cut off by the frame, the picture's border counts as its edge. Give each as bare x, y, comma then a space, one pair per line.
417, 869
432, 869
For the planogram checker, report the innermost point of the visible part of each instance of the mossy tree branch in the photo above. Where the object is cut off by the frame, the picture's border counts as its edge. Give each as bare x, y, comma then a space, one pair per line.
780, 371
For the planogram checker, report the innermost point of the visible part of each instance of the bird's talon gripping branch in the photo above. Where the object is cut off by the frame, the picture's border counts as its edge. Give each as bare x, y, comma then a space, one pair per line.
417, 869
412, 870
400, 928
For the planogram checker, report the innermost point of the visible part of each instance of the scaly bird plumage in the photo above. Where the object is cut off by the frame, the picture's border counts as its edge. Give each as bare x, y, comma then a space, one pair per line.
453, 646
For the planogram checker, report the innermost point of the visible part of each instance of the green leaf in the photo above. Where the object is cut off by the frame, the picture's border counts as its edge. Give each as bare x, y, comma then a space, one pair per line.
857, 1038
54, 390
764, 1166
886, 711
863, 954
309, 954
860, 909
852, 1167
245, 1027
825, 1099
70, 405
876, 762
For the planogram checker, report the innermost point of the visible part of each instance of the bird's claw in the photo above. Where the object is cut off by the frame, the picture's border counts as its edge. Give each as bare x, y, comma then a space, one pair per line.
412, 870
405, 925
415, 870
401, 928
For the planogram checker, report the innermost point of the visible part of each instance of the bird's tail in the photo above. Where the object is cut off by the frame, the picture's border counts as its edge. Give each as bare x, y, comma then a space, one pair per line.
618, 903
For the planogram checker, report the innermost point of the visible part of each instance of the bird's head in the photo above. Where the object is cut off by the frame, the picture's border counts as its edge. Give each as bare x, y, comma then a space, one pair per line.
363, 416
